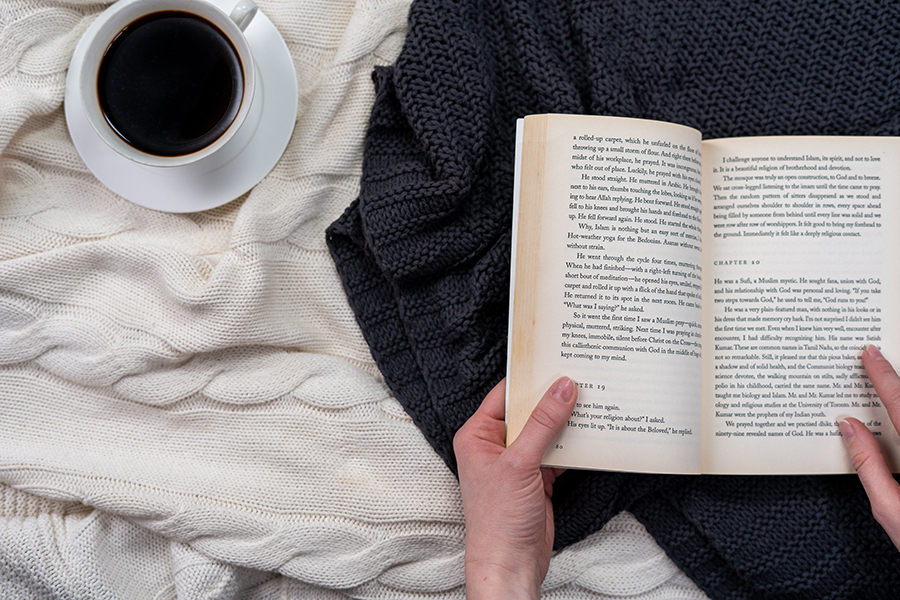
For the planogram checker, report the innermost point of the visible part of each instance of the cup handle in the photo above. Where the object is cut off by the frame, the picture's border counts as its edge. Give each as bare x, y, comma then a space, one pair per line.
243, 13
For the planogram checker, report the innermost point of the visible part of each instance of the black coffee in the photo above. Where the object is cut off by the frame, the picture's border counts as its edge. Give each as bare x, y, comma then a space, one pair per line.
170, 84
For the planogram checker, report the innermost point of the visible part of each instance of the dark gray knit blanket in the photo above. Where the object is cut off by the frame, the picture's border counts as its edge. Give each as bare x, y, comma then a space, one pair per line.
424, 251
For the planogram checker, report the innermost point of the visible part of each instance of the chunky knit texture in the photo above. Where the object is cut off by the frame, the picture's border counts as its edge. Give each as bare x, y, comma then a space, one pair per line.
424, 251
187, 406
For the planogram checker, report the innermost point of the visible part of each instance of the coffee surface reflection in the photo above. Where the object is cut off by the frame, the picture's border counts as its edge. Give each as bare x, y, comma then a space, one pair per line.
170, 84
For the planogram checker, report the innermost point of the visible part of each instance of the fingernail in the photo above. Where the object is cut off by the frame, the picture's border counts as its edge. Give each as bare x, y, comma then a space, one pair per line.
846, 430
563, 389
873, 351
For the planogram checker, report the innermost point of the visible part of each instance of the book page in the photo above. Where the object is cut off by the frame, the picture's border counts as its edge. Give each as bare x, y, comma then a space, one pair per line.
800, 273
607, 290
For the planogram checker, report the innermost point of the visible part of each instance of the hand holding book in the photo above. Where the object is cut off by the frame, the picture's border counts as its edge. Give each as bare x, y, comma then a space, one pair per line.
506, 494
737, 272
865, 453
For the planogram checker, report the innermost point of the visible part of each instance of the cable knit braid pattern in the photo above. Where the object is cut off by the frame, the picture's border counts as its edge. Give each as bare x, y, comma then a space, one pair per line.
423, 253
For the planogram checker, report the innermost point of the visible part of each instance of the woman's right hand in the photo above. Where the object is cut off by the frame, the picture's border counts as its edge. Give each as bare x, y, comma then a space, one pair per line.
865, 454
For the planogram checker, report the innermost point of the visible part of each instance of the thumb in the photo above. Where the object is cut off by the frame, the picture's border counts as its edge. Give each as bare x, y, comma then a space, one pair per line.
876, 477
546, 422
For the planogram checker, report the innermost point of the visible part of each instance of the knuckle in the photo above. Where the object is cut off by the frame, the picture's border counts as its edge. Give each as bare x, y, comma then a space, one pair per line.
459, 435
514, 462
460, 440
886, 509
543, 417
861, 461
516, 465
890, 393
887, 384
881, 512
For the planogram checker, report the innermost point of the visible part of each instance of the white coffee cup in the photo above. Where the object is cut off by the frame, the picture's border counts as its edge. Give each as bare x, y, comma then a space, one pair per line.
237, 133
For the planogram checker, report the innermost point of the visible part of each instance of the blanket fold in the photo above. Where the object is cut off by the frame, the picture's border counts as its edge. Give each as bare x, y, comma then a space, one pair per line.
187, 406
423, 252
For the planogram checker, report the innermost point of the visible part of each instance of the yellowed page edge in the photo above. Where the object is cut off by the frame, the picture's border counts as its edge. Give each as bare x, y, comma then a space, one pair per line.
521, 338
666, 444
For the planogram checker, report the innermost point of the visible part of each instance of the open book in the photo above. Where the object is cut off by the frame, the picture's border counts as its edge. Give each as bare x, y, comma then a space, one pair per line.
710, 298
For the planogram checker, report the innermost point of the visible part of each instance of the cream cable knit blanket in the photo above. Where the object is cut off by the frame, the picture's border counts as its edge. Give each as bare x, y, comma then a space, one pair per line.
187, 408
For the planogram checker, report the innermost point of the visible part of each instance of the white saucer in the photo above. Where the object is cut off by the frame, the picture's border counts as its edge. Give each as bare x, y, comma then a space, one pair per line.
188, 188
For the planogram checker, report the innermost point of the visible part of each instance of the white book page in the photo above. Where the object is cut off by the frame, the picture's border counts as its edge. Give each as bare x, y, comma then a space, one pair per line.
618, 300
800, 272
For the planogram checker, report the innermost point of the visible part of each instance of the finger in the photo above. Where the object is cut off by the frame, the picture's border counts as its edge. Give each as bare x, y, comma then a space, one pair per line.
494, 404
547, 420
879, 483
885, 380
486, 424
